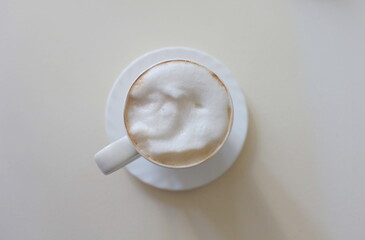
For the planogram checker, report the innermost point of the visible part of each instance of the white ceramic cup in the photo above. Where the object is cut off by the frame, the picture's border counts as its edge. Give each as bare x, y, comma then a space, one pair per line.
123, 151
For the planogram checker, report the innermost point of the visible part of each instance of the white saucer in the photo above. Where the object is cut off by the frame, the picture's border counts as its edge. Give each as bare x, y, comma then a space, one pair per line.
189, 178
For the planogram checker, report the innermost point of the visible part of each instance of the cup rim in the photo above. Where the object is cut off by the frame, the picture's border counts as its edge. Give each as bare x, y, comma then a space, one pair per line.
149, 158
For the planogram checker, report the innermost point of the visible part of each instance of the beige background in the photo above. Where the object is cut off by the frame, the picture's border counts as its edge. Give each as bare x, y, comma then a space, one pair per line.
299, 176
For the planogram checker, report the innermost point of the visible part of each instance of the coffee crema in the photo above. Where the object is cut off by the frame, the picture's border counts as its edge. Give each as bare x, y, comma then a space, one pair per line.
178, 113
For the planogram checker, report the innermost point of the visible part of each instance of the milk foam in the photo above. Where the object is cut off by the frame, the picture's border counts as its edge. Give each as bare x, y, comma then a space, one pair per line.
178, 113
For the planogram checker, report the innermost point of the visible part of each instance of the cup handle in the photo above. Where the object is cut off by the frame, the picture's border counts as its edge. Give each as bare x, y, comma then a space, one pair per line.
116, 155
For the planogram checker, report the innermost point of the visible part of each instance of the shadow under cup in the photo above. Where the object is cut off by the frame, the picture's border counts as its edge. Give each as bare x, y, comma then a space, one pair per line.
175, 159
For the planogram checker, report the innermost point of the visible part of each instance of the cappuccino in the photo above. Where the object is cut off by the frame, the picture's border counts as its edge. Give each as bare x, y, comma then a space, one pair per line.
178, 113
